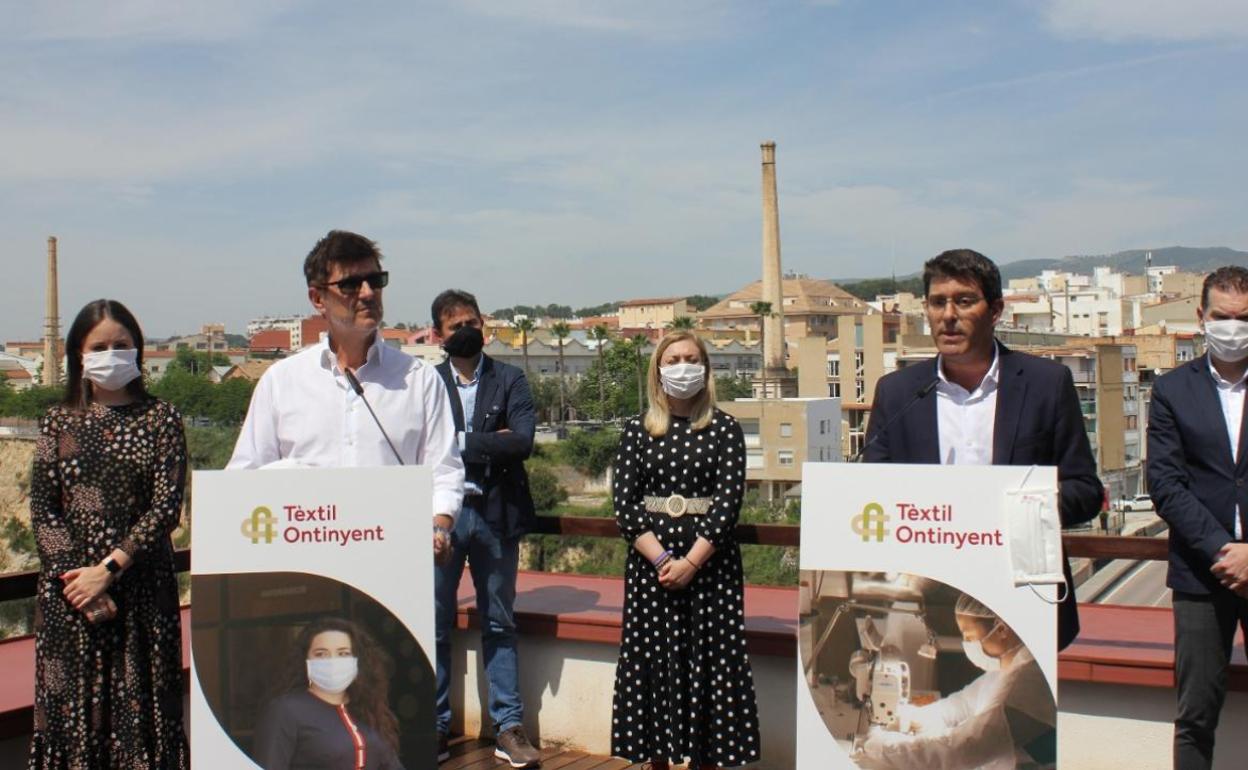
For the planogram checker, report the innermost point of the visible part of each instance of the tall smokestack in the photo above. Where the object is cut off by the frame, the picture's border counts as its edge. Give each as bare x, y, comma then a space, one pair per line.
52, 324
773, 327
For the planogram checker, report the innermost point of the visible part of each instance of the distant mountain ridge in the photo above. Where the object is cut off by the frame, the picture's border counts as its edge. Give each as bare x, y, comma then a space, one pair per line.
1186, 258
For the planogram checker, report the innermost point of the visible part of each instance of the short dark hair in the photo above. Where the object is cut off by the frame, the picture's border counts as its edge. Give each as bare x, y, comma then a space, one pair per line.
450, 299
77, 393
1229, 278
964, 264
338, 247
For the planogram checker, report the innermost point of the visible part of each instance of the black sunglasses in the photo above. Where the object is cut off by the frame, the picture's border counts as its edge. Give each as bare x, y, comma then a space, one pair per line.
352, 283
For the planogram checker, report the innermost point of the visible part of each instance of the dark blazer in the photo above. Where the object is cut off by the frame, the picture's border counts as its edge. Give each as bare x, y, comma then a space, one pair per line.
495, 461
1038, 422
1192, 476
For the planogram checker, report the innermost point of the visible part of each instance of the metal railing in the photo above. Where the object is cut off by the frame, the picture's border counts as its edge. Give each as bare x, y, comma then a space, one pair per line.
22, 585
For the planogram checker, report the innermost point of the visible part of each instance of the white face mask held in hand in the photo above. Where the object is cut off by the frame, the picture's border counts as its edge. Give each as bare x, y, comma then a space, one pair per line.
683, 380
111, 369
333, 675
1227, 340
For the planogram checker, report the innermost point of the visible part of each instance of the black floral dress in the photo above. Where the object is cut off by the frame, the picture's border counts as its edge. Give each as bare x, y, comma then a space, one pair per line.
683, 686
109, 695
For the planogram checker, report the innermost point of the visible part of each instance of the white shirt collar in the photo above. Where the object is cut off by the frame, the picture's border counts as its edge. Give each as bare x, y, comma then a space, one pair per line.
329, 360
1219, 379
990, 379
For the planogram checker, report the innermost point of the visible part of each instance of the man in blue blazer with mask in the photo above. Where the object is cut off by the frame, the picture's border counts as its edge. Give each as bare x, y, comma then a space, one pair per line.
980, 403
1198, 478
494, 424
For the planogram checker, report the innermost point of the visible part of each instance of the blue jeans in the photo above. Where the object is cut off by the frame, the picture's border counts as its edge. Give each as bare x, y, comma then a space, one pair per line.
492, 562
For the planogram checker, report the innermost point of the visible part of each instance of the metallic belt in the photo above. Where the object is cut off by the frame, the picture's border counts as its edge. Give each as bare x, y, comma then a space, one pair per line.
678, 505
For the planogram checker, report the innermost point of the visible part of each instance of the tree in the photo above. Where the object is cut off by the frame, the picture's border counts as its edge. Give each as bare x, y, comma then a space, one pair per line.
700, 302
196, 363
525, 326
732, 388
601, 334
763, 311
682, 323
639, 346
561, 330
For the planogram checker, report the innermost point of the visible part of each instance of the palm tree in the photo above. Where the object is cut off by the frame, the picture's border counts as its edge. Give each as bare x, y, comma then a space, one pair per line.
524, 326
601, 334
682, 323
561, 330
763, 311
639, 343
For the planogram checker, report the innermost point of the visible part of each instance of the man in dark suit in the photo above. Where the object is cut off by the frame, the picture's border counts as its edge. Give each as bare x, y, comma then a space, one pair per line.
980, 403
1198, 478
494, 423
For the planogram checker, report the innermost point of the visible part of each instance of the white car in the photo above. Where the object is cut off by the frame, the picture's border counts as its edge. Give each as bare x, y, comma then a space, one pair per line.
1137, 503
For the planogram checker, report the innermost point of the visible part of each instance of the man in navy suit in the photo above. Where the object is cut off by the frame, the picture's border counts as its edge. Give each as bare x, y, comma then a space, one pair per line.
980, 403
494, 423
1198, 478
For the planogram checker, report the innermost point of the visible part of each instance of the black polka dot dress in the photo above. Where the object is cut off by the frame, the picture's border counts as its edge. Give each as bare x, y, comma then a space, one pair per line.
109, 695
683, 687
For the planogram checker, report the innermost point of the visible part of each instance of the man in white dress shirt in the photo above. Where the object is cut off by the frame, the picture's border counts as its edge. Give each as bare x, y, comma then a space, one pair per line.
992, 405
306, 409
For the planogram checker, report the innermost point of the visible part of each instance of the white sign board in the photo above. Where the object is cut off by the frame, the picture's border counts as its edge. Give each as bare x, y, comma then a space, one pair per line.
278, 550
902, 564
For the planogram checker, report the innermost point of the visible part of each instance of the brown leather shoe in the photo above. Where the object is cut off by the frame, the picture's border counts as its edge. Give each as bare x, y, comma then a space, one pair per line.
513, 746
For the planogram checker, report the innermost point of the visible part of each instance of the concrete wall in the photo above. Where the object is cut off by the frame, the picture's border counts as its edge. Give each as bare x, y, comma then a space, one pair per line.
567, 689
1109, 726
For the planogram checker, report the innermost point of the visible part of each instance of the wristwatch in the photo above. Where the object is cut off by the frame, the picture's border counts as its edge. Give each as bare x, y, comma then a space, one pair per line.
110, 564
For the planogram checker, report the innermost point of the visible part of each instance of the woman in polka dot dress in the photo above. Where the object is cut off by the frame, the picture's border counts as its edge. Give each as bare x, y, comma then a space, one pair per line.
683, 687
106, 492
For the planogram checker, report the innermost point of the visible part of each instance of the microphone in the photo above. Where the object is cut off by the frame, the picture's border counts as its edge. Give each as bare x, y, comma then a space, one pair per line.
919, 396
359, 391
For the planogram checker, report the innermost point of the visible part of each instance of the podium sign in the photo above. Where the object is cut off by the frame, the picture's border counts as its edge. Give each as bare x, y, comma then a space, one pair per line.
277, 552
900, 565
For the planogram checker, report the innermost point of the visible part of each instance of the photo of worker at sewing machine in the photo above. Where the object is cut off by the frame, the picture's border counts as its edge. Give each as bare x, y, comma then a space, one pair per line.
907, 672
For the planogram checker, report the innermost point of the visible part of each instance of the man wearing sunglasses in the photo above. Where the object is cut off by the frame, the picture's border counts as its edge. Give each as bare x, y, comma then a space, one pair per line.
992, 405
307, 409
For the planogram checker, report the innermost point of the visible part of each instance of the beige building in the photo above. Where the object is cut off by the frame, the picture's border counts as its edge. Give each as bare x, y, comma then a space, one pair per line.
1182, 284
781, 434
811, 308
1177, 315
652, 313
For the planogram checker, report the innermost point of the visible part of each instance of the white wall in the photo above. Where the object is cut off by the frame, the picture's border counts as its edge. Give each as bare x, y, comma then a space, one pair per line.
567, 689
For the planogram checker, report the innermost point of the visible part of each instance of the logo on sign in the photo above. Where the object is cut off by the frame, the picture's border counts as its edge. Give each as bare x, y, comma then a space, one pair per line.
869, 525
260, 525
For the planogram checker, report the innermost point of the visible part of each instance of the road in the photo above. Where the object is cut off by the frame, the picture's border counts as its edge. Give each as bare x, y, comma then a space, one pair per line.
1140, 584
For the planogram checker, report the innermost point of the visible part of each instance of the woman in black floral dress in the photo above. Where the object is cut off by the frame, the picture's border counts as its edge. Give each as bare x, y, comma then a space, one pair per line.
683, 687
106, 492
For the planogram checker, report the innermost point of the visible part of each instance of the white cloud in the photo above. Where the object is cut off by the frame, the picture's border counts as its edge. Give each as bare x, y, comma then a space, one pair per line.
166, 20
1118, 20
651, 19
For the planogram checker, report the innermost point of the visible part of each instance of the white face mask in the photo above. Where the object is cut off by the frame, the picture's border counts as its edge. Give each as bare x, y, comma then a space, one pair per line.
683, 380
1227, 340
333, 675
110, 369
976, 655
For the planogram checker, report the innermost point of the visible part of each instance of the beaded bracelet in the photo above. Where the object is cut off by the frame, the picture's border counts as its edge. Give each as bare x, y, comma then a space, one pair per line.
662, 559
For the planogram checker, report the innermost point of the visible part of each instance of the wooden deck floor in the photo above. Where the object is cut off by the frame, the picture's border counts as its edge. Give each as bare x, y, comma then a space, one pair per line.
473, 754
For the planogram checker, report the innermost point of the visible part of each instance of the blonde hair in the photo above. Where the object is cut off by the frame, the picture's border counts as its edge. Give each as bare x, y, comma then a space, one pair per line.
659, 415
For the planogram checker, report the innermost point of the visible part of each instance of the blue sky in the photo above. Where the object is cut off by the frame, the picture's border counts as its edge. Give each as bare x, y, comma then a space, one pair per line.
188, 154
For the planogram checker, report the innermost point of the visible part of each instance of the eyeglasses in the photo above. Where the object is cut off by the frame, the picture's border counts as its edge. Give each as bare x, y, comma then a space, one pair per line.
963, 303
352, 283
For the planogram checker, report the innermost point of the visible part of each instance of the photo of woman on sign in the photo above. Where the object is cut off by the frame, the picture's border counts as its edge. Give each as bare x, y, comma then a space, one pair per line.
334, 713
